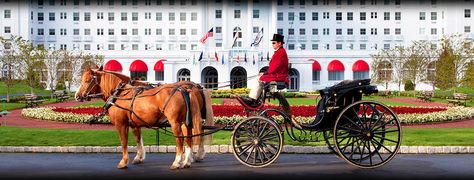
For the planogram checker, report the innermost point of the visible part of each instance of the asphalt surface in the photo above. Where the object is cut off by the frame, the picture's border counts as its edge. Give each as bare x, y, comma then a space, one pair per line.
225, 166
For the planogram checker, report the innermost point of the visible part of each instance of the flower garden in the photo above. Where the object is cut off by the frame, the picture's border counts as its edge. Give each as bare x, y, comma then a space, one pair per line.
227, 114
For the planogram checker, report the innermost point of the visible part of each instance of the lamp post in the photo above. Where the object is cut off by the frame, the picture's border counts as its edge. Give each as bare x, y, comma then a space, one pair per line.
4, 112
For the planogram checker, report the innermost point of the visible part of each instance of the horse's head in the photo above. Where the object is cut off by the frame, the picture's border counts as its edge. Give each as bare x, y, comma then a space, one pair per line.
90, 85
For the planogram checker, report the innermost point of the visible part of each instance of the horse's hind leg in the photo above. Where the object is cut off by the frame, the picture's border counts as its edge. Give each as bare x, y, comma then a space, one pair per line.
188, 152
140, 157
123, 134
178, 161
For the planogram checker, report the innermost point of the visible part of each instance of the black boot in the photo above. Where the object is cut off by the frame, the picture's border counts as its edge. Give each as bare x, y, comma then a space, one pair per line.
251, 102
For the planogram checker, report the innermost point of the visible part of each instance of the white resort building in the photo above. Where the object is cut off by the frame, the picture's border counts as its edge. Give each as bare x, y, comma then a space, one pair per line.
159, 40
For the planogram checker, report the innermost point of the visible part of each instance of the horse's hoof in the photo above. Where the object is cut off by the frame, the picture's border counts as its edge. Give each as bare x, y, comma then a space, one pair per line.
173, 167
121, 166
187, 166
137, 161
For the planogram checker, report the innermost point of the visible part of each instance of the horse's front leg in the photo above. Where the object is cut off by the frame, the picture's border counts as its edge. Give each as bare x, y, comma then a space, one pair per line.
140, 157
123, 134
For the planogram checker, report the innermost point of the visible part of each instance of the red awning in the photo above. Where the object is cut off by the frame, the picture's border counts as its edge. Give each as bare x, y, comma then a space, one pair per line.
316, 66
138, 66
335, 65
113, 65
360, 65
159, 66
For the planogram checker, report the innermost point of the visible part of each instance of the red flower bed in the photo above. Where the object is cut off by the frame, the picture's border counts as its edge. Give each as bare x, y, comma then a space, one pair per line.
230, 110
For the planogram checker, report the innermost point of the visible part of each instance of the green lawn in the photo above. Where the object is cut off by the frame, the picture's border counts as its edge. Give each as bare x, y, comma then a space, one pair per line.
13, 136
21, 88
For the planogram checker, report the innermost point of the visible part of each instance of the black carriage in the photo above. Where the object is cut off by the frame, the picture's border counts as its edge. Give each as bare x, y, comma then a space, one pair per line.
366, 134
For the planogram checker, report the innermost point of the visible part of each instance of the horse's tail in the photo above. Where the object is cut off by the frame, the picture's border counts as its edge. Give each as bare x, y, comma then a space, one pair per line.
197, 120
209, 114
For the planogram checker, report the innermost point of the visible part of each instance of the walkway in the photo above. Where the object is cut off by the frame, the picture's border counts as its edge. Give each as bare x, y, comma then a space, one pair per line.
15, 119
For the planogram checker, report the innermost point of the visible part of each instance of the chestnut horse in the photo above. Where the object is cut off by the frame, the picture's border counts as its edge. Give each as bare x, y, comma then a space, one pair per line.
148, 107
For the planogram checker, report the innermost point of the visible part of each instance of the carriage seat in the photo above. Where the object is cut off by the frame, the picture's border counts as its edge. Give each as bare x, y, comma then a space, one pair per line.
273, 86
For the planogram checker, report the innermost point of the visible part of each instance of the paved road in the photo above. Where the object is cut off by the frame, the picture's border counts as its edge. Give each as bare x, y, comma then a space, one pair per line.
225, 166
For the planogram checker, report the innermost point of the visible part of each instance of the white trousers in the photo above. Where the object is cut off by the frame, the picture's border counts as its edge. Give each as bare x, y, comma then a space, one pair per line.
256, 88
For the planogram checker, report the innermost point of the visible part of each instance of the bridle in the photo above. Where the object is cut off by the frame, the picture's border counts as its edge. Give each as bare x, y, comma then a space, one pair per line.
92, 84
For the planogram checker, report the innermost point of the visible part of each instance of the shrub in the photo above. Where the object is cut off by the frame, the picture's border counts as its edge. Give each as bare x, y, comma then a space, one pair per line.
409, 86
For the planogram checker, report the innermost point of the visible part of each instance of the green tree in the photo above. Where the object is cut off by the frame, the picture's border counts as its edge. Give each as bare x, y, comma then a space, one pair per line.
468, 80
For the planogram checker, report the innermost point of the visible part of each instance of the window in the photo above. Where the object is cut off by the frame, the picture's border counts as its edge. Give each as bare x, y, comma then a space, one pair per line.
338, 16
325, 15
422, 15
398, 31
434, 31
363, 46
434, 16
291, 31
236, 14
123, 16
159, 75
325, 31
338, 46
100, 15
316, 74
182, 47
76, 3
7, 29
134, 31
362, 16
361, 75
315, 46
467, 29
182, 16
111, 32
134, 16
148, 31
338, 31
315, 32
75, 32
124, 2
87, 47
182, 31
315, 16
40, 32
171, 32
350, 31
279, 16
363, 31
194, 16
336, 75
373, 15
111, 46
63, 31
135, 47
40, 16
100, 31
350, 16
75, 16
398, 16
302, 31
52, 32
386, 31
291, 16
63, 46
87, 16
111, 16
386, 16
52, 16
87, 32
171, 16
279, 31
159, 32
218, 14
291, 46
256, 13
373, 31
302, 16
63, 15
194, 31
467, 13
159, 16
7, 13
386, 46
218, 29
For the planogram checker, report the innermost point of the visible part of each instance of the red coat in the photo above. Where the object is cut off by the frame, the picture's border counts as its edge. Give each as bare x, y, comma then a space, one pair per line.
278, 67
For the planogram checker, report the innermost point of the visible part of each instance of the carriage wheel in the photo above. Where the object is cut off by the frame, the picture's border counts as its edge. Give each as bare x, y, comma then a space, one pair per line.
367, 134
257, 141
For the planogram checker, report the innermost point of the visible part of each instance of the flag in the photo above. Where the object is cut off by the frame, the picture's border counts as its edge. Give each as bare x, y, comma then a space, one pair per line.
234, 39
208, 34
253, 57
200, 56
268, 57
222, 59
194, 59
258, 38
215, 55
238, 57
245, 57
261, 58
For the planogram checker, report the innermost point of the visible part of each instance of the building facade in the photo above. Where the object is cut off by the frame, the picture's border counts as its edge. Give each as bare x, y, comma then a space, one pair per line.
159, 40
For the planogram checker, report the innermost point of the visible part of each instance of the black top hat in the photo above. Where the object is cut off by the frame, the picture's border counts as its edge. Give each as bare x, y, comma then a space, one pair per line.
278, 38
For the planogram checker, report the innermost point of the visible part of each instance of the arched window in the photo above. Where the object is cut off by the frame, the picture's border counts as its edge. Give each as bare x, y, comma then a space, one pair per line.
138, 70
316, 71
209, 77
294, 77
184, 75
237, 37
431, 72
336, 71
159, 70
238, 78
360, 69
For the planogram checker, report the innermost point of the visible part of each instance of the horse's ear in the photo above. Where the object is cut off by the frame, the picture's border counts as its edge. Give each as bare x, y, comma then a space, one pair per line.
101, 68
87, 69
